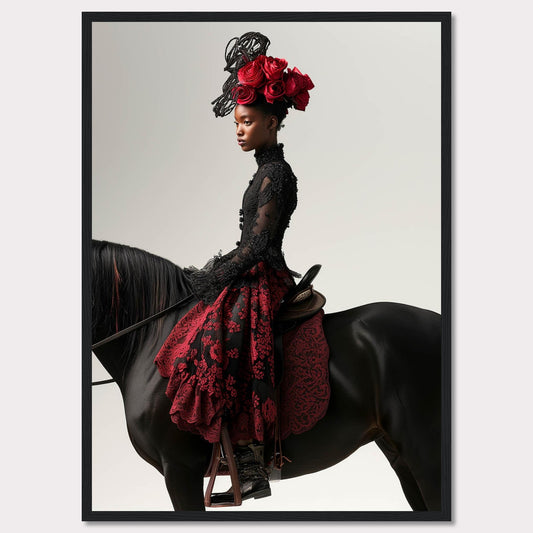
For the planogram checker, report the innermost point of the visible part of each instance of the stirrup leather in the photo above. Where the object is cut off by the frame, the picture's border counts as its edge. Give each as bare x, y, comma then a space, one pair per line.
223, 465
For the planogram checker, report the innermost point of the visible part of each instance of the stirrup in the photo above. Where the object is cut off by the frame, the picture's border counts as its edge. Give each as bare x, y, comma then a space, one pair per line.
218, 464
253, 476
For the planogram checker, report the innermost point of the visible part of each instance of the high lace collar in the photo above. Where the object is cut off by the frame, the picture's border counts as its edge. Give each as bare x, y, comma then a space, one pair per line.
272, 153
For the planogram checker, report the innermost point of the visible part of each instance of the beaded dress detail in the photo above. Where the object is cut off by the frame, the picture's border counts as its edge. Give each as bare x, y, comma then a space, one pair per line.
219, 356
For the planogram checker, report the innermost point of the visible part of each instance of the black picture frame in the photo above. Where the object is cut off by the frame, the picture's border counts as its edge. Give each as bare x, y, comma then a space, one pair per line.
444, 19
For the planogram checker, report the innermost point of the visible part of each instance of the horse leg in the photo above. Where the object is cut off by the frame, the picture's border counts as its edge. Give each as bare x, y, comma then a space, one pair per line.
411, 443
185, 487
408, 482
418, 469
410, 402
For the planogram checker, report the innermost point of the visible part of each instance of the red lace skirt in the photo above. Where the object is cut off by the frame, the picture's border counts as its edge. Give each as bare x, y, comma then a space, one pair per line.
219, 359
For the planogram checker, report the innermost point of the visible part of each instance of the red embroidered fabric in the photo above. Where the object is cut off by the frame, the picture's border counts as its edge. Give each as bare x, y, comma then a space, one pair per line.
219, 359
305, 389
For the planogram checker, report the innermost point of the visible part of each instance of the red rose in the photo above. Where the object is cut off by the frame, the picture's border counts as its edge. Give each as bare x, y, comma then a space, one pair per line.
294, 82
274, 90
244, 94
306, 81
301, 100
274, 67
252, 73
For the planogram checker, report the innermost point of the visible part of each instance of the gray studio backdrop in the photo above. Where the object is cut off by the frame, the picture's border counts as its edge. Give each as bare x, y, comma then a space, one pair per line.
168, 177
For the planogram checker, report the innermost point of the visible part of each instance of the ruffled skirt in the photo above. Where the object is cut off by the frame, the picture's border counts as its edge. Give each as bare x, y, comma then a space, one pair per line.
219, 359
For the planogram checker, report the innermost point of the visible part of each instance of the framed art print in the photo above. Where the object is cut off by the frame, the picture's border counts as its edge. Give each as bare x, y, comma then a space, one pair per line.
163, 182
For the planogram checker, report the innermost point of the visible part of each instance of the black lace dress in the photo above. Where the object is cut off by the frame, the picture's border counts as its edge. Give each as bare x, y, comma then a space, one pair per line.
219, 356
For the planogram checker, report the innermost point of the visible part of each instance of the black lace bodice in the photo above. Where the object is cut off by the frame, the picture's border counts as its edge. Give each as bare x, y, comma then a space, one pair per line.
267, 206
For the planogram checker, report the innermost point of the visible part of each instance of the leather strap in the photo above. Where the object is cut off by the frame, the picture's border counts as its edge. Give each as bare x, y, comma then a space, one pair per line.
225, 445
141, 323
134, 327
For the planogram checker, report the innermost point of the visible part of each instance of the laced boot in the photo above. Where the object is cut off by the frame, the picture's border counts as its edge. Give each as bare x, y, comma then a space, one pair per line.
253, 476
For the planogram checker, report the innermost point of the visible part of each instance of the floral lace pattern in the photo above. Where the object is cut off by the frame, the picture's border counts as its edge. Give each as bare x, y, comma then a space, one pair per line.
305, 389
219, 357
220, 362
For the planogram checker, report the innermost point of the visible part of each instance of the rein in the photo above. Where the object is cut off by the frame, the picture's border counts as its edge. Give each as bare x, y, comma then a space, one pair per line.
135, 326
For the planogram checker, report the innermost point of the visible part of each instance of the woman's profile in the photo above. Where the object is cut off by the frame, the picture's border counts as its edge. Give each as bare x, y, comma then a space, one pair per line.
219, 357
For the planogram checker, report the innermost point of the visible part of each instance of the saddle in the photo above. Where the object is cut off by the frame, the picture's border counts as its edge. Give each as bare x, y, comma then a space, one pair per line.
299, 304
302, 301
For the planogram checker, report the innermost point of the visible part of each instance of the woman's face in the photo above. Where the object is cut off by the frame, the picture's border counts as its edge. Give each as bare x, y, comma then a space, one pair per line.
255, 130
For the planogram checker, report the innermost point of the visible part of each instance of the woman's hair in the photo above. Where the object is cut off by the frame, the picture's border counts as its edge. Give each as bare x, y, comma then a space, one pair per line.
278, 109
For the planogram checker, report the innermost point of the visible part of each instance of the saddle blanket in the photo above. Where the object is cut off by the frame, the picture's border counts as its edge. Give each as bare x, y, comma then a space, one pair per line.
304, 388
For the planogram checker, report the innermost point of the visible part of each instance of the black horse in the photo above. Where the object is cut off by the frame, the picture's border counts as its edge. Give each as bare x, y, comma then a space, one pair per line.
385, 372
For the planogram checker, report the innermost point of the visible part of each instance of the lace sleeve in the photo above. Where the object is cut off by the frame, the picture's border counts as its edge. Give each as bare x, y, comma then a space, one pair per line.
263, 230
209, 282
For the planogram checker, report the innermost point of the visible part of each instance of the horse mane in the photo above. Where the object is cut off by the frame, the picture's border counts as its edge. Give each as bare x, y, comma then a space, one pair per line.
128, 285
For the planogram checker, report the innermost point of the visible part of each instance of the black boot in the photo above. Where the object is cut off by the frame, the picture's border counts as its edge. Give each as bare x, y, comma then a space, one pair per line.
253, 476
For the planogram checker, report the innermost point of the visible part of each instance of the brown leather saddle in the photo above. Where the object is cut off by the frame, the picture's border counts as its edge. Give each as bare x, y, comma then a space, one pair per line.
299, 304
302, 301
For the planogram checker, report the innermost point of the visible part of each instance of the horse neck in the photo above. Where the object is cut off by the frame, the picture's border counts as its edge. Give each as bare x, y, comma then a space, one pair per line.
129, 285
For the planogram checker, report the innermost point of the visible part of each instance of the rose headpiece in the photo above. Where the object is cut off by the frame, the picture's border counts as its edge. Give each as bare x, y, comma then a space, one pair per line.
254, 74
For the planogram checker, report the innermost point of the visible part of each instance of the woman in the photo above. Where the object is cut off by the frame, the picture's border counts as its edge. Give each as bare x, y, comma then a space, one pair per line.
219, 357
